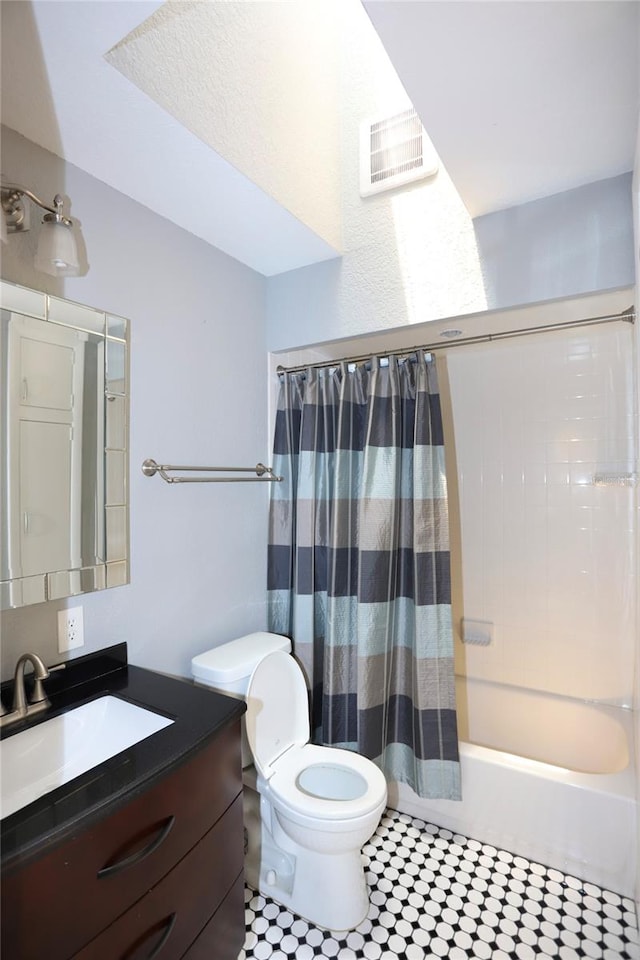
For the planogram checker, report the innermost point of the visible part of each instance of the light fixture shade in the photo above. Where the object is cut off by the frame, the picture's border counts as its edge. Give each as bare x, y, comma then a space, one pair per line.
57, 253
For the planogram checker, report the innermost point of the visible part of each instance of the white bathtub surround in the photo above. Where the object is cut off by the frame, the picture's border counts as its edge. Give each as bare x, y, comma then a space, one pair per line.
574, 812
547, 554
438, 894
581, 736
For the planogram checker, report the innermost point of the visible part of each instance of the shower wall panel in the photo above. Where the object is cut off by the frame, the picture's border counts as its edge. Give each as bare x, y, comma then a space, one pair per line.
548, 555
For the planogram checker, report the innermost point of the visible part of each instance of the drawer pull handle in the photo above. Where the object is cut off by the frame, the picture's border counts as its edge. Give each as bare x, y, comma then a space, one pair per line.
164, 927
139, 855
165, 936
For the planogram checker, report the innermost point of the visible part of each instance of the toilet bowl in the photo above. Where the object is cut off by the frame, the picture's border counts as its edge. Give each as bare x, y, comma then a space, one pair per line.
318, 805
309, 810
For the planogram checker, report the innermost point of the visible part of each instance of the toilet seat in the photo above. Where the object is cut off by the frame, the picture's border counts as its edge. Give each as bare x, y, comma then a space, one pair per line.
287, 789
278, 731
277, 717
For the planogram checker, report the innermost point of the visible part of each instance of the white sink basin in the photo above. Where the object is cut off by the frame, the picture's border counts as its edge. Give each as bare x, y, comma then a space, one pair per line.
38, 760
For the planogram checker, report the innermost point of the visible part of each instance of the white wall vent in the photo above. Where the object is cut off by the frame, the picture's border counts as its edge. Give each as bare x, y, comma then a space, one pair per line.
394, 151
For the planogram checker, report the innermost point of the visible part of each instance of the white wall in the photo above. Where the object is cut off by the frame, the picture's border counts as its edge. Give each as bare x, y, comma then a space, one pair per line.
547, 557
198, 382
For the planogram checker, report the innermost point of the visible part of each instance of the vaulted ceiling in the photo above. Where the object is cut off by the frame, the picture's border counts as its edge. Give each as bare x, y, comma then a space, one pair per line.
521, 100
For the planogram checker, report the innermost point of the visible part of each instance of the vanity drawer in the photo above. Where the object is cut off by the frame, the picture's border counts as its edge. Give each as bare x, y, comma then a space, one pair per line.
110, 865
166, 921
224, 935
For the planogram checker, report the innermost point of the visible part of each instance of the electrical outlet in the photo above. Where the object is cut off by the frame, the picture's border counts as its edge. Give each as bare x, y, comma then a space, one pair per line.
70, 629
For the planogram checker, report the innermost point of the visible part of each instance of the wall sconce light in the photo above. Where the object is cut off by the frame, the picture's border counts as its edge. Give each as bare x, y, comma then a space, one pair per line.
57, 253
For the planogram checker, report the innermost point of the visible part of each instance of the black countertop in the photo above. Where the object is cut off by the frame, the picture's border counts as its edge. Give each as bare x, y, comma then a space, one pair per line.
198, 714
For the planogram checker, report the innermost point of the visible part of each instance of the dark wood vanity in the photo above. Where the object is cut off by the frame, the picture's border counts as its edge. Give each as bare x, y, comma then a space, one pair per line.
150, 864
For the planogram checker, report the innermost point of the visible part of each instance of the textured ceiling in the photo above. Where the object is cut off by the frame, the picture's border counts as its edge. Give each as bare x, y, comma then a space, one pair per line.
521, 100
72, 102
260, 84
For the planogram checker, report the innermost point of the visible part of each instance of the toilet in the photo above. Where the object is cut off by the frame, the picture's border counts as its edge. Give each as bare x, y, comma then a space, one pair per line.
309, 810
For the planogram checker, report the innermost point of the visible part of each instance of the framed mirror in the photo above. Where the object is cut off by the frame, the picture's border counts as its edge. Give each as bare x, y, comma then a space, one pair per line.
64, 465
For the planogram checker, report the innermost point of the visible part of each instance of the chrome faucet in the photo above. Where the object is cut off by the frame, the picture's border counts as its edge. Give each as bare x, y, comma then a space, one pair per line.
39, 701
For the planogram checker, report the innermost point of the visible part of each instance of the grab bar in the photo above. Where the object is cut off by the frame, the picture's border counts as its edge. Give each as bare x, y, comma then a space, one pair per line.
264, 474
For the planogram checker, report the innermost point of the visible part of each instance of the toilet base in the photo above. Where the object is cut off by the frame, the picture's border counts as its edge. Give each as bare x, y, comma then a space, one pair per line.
266, 868
327, 889
330, 892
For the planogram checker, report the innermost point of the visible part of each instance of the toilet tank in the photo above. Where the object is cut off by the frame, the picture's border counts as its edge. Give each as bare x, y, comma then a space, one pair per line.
227, 668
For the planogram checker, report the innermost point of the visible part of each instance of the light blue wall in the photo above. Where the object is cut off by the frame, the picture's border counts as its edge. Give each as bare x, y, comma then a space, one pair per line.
198, 553
575, 242
572, 243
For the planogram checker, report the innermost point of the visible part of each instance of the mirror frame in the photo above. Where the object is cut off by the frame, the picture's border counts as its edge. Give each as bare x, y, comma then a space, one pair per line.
113, 568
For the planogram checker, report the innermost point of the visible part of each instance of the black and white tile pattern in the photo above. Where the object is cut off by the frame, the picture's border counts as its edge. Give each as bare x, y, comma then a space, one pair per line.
437, 894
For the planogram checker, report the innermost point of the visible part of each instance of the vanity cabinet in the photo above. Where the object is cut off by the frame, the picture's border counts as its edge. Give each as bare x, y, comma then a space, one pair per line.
160, 877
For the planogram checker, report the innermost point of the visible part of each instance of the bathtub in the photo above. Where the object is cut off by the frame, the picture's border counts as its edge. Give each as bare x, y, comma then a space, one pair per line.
545, 777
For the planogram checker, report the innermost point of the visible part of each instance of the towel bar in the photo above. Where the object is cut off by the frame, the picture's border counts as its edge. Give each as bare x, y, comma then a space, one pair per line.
264, 474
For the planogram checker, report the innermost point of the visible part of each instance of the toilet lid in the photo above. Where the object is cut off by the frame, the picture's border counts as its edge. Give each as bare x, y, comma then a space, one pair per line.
277, 715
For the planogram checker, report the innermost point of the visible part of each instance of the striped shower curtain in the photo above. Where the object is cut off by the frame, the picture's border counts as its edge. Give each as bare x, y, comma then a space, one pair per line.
359, 571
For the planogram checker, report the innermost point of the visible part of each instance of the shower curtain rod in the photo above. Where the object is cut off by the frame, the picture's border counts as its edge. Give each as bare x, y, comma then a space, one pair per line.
627, 316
